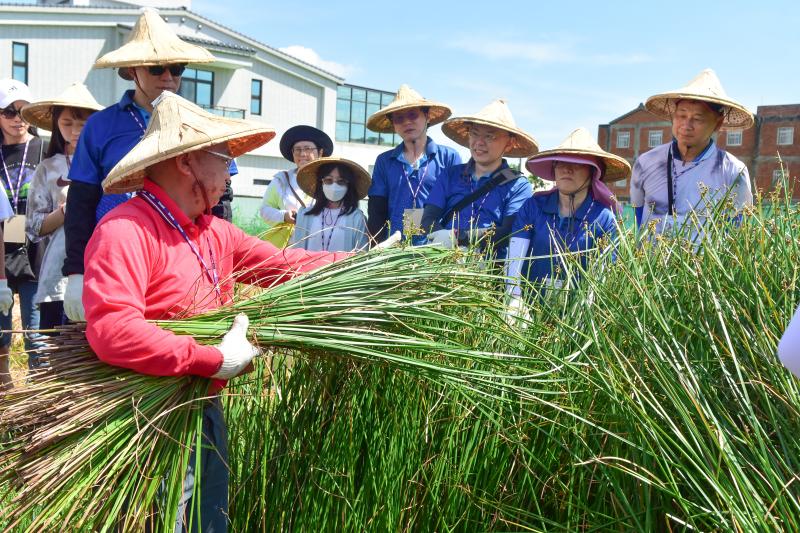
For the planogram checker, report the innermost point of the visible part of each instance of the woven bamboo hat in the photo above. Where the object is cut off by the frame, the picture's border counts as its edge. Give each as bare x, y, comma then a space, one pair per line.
40, 114
407, 98
497, 115
705, 87
152, 42
307, 176
176, 127
579, 145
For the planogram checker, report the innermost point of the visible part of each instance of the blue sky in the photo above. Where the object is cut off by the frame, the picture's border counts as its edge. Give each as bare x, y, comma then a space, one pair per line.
559, 65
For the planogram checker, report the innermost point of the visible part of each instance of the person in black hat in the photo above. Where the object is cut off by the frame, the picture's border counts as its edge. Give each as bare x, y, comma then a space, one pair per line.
284, 197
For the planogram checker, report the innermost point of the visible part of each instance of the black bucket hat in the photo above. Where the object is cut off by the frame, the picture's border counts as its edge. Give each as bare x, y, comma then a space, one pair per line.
305, 133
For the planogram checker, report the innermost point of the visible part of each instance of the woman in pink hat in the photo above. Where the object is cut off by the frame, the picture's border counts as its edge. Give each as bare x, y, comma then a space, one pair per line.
571, 217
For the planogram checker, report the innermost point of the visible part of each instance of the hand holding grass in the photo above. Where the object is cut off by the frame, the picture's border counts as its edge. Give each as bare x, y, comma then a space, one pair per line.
237, 352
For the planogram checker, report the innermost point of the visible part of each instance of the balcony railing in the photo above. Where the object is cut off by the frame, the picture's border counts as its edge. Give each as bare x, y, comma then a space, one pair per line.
230, 112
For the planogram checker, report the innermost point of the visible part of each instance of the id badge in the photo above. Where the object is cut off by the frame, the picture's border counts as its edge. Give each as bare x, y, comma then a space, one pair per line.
412, 219
14, 229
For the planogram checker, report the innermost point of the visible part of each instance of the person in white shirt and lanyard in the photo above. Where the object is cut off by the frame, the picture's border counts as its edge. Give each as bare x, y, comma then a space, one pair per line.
284, 197
689, 176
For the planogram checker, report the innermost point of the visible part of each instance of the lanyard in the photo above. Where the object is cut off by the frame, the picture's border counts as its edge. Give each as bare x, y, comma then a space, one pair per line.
15, 190
326, 243
139, 122
573, 233
407, 178
165, 213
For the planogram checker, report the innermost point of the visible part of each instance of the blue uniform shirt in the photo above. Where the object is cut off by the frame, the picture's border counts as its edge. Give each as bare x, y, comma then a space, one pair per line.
502, 201
540, 222
405, 187
106, 138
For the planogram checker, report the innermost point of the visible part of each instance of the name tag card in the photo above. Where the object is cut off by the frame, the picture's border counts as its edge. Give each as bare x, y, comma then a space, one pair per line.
14, 229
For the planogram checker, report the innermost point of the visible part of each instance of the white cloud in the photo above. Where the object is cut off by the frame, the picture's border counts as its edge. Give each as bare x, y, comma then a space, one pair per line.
541, 52
310, 56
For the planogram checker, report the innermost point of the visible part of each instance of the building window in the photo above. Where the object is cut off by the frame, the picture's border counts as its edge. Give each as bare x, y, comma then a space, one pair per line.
353, 106
198, 86
19, 62
255, 97
777, 176
654, 138
785, 136
623, 139
734, 138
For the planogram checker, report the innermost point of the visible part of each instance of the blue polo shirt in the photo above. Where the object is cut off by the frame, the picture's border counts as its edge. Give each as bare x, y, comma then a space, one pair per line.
406, 187
502, 201
540, 222
106, 138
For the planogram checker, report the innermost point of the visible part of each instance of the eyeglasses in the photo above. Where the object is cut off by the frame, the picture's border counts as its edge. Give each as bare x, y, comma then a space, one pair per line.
564, 165
411, 116
10, 112
224, 157
485, 137
304, 150
176, 70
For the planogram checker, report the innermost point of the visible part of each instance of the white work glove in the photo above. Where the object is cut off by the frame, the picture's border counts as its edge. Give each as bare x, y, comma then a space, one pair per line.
517, 312
393, 239
237, 352
6, 297
442, 237
73, 298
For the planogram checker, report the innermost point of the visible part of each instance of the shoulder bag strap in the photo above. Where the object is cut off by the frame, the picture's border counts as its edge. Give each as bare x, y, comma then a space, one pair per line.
289, 183
500, 177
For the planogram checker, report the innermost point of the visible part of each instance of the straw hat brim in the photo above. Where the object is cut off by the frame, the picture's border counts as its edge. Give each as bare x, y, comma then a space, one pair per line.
40, 114
735, 114
616, 167
296, 134
381, 123
128, 175
523, 145
307, 176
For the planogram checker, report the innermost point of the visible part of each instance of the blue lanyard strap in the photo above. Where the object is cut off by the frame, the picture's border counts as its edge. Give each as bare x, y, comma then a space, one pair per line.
573, 229
170, 219
407, 178
15, 190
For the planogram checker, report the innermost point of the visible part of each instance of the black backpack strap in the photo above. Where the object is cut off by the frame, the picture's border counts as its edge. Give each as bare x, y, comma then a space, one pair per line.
499, 177
670, 189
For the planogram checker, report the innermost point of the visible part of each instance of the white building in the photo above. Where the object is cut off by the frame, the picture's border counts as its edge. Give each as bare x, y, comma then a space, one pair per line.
54, 43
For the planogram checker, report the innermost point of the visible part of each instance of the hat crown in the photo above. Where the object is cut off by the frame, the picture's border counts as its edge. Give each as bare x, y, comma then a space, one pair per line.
151, 42
406, 94
12, 90
78, 95
497, 111
706, 83
175, 118
580, 139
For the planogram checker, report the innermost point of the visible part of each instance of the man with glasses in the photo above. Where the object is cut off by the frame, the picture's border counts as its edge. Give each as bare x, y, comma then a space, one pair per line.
154, 58
476, 203
404, 176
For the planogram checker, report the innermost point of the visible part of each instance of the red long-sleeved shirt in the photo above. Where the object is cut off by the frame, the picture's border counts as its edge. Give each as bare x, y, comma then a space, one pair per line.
139, 268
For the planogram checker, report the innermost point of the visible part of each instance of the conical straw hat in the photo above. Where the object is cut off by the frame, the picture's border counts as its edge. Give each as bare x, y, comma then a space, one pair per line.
307, 176
152, 42
705, 87
40, 114
407, 98
176, 127
579, 145
496, 115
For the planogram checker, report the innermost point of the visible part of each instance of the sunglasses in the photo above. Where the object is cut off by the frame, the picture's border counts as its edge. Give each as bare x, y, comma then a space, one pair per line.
176, 70
400, 117
11, 112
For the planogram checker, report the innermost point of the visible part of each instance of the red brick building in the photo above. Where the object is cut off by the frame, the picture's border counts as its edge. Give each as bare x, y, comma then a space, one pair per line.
775, 132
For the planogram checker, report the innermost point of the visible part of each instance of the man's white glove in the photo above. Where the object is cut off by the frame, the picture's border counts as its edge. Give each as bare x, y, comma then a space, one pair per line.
517, 312
442, 237
393, 239
237, 352
73, 298
6, 297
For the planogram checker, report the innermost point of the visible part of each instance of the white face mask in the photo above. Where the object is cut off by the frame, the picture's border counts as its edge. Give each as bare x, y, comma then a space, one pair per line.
334, 192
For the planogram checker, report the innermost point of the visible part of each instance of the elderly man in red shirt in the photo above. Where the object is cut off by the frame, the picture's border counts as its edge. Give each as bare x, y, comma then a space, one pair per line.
162, 255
